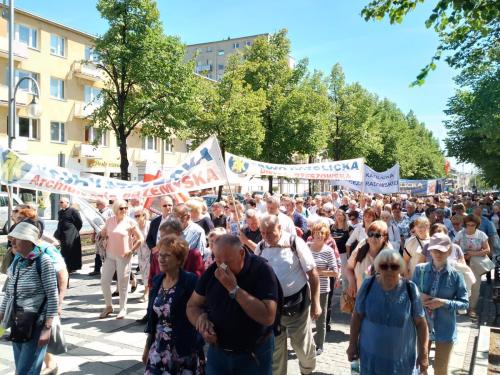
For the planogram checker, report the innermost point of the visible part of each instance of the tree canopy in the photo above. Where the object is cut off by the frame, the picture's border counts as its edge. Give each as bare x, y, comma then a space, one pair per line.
148, 86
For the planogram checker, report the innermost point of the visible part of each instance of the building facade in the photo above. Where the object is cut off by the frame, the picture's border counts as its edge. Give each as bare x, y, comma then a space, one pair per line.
57, 56
211, 57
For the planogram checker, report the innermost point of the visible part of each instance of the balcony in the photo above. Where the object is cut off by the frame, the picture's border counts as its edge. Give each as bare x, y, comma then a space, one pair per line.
88, 151
203, 68
87, 71
20, 49
22, 97
84, 110
139, 155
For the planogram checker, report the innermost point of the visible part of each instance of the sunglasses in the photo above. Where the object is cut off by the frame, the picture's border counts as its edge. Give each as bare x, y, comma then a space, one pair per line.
167, 205
137, 216
123, 208
387, 266
375, 234
15, 211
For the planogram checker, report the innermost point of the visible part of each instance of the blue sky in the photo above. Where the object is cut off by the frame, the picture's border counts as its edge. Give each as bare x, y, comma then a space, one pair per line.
384, 58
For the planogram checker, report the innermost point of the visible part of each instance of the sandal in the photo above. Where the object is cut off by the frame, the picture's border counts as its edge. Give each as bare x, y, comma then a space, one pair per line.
105, 313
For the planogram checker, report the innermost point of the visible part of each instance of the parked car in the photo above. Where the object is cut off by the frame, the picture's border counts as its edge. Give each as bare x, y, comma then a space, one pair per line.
4, 208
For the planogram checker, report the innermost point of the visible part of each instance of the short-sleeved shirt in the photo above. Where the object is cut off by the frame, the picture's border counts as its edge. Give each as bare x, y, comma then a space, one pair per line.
287, 224
340, 236
195, 237
472, 242
325, 259
234, 328
290, 267
118, 233
253, 236
363, 269
413, 248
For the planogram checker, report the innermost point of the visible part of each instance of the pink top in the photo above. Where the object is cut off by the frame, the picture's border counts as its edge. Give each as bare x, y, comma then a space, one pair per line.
119, 239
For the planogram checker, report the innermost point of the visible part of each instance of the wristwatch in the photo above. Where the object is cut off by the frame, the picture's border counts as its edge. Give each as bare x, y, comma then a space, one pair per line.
232, 293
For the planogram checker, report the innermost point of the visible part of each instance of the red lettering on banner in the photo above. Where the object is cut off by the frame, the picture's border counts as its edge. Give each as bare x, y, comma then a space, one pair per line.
187, 182
198, 179
211, 175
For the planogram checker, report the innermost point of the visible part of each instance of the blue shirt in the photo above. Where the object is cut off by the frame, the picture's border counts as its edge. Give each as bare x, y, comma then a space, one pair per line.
451, 287
487, 227
388, 337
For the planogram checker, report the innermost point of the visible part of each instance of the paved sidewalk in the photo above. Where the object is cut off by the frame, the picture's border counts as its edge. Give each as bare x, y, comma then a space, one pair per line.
113, 346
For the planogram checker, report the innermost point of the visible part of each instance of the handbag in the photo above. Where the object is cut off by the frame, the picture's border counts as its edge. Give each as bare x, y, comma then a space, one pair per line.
482, 264
24, 322
57, 342
347, 303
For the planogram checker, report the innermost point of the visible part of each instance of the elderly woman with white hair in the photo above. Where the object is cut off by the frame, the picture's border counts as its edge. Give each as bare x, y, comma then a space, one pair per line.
388, 323
124, 238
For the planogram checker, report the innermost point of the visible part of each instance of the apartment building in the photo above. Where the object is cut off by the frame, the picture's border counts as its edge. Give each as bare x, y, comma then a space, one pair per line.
56, 57
211, 57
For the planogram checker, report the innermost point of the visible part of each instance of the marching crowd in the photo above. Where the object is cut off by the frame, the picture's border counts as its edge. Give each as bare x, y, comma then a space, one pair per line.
227, 286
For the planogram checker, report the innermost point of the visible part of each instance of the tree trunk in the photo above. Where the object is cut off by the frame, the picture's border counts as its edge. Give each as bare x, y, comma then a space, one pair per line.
270, 179
123, 156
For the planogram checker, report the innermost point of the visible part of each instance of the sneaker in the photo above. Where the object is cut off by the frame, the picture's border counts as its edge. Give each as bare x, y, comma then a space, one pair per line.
95, 273
319, 351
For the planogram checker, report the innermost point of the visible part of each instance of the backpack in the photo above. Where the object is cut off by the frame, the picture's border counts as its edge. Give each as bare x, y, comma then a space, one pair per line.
407, 284
281, 297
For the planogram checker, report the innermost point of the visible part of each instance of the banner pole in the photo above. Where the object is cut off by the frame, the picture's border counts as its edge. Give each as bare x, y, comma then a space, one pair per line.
228, 183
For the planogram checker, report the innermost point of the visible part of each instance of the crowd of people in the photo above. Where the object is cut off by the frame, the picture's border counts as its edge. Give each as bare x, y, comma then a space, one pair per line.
228, 286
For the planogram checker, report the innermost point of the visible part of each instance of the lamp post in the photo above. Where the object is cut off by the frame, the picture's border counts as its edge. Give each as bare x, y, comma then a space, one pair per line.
34, 108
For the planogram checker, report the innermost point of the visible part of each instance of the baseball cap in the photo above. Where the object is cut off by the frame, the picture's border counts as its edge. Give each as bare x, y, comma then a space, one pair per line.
440, 241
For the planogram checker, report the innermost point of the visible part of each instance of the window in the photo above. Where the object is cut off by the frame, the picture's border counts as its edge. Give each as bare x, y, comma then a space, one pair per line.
28, 127
169, 146
27, 35
248, 43
57, 45
57, 132
27, 84
92, 95
149, 143
90, 54
220, 66
57, 88
99, 136
236, 45
209, 49
220, 52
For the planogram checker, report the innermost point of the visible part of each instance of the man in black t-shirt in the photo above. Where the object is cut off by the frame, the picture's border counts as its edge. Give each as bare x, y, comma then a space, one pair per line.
234, 308
217, 215
250, 234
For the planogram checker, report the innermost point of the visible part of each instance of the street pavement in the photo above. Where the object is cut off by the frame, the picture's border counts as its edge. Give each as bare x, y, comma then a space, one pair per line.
111, 346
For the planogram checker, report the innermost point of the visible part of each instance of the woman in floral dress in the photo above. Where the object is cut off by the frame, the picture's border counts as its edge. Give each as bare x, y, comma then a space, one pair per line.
173, 345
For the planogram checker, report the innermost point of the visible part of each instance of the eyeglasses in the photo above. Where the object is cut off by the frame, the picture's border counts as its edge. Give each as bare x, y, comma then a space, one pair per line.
137, 216
61, 202
387, 266
374, 234
123, 208
167, 205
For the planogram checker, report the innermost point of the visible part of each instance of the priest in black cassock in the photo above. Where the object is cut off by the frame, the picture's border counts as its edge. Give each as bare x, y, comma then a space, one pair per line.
68, 234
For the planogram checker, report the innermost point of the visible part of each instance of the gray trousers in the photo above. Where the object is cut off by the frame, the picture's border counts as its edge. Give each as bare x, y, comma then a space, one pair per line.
298, 328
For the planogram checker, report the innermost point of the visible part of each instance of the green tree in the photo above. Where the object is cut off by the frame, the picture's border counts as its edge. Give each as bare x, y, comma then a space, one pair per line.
148, 86
473, 128
296, 103
350, 125
231, 111
469, 30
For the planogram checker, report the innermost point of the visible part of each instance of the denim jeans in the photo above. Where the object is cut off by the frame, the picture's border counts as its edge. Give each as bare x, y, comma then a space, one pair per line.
28, 356
221, 362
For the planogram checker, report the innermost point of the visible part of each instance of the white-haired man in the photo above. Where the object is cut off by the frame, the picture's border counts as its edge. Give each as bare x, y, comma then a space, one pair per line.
294, 265
273, 208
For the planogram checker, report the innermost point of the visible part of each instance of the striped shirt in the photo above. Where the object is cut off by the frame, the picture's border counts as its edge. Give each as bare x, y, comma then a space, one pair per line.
31, 290
325, 259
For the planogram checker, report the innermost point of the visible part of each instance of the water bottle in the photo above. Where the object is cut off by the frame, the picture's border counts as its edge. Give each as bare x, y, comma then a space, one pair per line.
355, 367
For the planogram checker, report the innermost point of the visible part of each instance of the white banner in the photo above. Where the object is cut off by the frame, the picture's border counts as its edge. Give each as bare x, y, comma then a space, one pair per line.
203, 168
386, 182
240, 168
